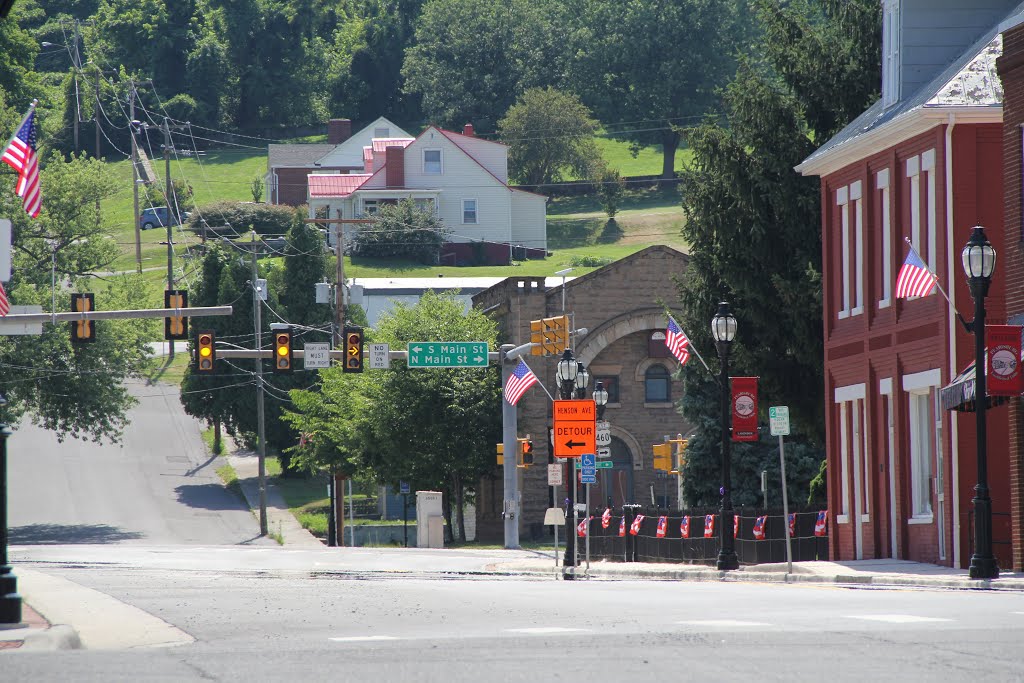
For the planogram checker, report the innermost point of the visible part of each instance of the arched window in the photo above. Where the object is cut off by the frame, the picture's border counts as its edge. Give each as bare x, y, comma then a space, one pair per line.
657, 385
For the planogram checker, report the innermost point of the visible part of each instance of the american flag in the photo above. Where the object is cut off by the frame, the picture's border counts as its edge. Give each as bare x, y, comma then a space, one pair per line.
606, 518
759, 528
709, 526
684, 527
662, 527
677, 341
821, 524
21, 156
521, 379
914, 278
5, 304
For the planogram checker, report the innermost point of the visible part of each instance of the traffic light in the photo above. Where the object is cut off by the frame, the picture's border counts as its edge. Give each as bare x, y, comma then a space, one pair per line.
663, 457
679, 458
524, 452
206, 354
282, 348
175, 327
353, 350
501, 454
83, 331
550, 336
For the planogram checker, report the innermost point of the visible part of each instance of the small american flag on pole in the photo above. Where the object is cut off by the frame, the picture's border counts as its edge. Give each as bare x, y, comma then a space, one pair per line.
914, 278
5, 304
521, 379
677, 341
20, 155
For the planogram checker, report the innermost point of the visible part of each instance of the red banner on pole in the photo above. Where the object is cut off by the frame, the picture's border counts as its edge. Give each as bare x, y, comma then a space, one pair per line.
744, 408
1003, 374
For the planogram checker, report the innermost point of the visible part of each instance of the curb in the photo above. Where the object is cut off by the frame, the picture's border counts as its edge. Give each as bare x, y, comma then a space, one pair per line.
57, 637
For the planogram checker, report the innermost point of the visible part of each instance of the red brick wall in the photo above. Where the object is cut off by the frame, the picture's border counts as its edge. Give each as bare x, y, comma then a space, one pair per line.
394, 169
291, 186
1011, 260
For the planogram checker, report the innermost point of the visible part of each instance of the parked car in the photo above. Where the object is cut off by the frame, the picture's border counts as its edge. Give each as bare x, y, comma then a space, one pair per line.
159, 216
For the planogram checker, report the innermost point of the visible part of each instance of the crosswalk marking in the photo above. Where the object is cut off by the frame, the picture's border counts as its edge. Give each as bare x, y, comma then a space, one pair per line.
361, 639
722, 622
896, 618
543, 630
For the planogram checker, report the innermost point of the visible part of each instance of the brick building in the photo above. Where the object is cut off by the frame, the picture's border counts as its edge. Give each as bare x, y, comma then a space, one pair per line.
624, 348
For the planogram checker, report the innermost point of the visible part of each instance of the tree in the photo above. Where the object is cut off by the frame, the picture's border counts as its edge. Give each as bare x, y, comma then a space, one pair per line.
74, 391
753, 224
550, 134
402, 231
653, 64
472, 58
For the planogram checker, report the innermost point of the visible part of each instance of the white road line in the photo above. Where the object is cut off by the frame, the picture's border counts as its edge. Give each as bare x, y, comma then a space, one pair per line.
361, 639
896, 618
722, 622
543, 630
1016, 612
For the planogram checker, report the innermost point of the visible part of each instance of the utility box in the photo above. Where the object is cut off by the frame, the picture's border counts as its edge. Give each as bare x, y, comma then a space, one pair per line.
429, 520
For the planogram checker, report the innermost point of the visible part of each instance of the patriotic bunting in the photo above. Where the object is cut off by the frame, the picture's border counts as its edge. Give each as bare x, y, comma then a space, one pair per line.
606, 518
634, 528
820, 524
622, 526
662, 526
735, 526
684, 527
792, 524
581, 528
759, 528
709, 526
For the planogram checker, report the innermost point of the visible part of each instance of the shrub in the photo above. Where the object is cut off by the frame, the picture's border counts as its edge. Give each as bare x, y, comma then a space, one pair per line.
402, 231
265, 219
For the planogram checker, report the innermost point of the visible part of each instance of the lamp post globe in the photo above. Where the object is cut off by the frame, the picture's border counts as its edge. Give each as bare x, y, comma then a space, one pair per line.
582, 380
723, 328
979, 262
600, 399
568, 368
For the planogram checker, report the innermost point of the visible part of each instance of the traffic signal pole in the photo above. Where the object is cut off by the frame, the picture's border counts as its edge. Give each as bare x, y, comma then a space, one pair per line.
261, 439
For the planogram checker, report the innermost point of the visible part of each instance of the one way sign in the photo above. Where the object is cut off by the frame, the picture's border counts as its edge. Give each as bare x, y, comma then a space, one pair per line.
575, 427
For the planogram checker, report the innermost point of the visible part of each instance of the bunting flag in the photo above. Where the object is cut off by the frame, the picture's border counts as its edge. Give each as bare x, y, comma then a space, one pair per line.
677, 341
662, 526
521, 379
581, 528
792, 524
5, 303
821, 524
735, 526
634, 528
684, 527
709, 526
606, 518
622, 526
20, 154
914, 278
759, 528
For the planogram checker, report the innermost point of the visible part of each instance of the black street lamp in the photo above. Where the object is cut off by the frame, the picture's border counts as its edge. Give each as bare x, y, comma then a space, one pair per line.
600, 399
582, 380
723, 327
568, 370
10, 601
979, 261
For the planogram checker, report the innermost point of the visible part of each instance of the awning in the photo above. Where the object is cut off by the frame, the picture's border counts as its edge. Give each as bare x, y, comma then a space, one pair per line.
959, 394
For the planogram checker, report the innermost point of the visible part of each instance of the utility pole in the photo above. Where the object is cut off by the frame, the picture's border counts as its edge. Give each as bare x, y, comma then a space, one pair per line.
77, 58
135, 177
96, 114
339, 331
261, 440
172, 212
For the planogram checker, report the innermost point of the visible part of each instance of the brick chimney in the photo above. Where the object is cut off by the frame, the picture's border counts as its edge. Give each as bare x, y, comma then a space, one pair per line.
338, 130
394, 166
467, 130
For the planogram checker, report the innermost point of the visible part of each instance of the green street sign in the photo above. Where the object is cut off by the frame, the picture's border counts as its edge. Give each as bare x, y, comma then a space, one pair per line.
600, 464
447, 354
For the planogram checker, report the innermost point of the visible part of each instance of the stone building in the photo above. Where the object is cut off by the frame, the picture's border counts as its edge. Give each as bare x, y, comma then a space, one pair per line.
621, 306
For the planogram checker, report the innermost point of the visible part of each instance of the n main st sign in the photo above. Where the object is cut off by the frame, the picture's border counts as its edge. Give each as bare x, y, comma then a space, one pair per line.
575, 425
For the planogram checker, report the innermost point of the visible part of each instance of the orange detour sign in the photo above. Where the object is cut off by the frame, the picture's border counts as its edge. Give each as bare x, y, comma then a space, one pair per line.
575, 424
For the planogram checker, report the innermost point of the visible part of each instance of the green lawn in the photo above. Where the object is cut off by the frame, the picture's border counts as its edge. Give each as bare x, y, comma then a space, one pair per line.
647, 162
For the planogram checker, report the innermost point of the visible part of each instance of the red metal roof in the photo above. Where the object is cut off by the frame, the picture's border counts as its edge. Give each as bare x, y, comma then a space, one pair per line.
380, 144
335, 185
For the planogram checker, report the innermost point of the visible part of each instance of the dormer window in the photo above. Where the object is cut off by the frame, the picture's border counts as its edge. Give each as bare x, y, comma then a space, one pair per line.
891, 36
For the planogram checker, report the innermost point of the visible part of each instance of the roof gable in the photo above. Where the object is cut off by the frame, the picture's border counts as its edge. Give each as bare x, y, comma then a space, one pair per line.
350, 152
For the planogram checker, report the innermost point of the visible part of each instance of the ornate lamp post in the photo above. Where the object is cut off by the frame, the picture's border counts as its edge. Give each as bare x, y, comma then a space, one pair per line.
568, 370
10, 601
582, 380
979, 261
723, 327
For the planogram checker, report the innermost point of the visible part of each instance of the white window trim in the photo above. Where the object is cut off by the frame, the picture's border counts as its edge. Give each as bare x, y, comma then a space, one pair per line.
920, 384
850, 392
842, 200
914, 173
882, 183
885, 389
856, 196
844, 395
440, 159
476, 211
919, 381
891, 36
916, 438
928, 166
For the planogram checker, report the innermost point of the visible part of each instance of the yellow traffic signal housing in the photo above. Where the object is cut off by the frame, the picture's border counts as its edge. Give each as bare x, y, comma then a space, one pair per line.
679, 458
525, 453
663, 457
282, 348
176, 327
501, 454
353, 338
206, 354
550, 336
83, 331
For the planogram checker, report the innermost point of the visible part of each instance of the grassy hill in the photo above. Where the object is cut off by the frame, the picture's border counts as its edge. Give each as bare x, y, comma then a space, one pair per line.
578, 229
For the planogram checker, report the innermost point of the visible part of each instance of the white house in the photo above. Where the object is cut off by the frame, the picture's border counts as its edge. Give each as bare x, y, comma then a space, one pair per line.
462, 178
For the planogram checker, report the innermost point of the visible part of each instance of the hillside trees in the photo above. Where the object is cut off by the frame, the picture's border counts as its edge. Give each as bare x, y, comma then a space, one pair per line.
754, 223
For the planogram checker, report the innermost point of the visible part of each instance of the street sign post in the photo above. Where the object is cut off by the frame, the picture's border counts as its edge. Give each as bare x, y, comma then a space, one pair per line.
575, 428
380, 357
316, 355
604, 433
554, 475
588, 469
447, 354
600, 465
604, 452
779, 418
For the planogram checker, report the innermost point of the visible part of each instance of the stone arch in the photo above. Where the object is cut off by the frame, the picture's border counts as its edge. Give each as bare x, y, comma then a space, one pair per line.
606, 334
635, 450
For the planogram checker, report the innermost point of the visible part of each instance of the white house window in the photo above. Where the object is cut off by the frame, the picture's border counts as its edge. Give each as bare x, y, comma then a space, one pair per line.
849, 200
923, 436
432, 161
923, 237
928, 167
853, 457
890, 52
469, 211
858, 246
370, 206
882, 184
382, 132
424, 204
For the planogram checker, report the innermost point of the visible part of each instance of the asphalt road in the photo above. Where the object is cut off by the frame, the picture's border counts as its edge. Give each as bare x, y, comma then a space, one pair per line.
157, 487
309, 625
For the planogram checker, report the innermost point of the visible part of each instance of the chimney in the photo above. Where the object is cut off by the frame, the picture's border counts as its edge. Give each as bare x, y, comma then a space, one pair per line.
467, 130
394, 166
338, 130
